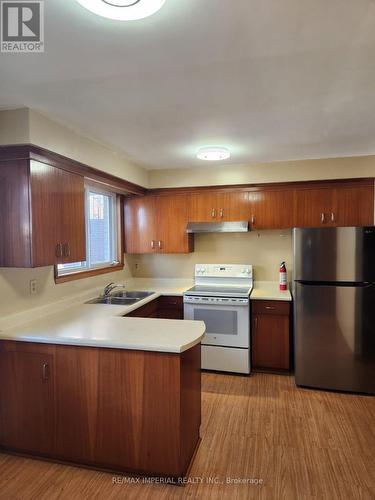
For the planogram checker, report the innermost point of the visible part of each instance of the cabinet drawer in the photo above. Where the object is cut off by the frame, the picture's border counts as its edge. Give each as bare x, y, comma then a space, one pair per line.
271, 307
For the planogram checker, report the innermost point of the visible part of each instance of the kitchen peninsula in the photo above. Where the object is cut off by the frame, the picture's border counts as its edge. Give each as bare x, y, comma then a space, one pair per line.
103, 390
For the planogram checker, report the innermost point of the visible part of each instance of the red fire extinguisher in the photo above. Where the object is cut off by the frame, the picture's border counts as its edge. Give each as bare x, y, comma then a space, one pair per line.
283, 277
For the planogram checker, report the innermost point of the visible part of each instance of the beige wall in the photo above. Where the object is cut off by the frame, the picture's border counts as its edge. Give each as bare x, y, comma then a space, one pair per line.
15, 287
330, 168
14, 126
264, 250
28, 126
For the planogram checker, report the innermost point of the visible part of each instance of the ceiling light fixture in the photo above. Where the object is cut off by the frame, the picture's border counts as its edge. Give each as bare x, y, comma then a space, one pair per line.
213, 153
123, 10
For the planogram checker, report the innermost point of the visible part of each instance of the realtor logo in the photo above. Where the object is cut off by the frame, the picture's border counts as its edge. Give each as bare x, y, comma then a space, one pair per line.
22, 26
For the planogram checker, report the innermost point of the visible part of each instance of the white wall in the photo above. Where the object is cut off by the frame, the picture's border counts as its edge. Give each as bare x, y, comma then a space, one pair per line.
23, 126
285, 171
263, 249
15, 287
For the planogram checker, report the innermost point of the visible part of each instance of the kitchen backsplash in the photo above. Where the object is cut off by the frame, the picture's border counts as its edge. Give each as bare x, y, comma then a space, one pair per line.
263, 249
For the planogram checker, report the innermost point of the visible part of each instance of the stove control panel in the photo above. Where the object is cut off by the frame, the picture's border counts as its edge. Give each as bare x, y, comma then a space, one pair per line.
224, 270
228, 301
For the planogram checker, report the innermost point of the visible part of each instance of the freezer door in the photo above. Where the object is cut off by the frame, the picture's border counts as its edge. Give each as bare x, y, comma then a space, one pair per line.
335, 337
334, 254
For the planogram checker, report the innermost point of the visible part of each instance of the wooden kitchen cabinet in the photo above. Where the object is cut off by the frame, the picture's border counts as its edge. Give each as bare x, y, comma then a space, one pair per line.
219, 206
117, 409
27, 408
270, 335
43, 218
271, 209
140, 230
157, 224
335, 205
164, 307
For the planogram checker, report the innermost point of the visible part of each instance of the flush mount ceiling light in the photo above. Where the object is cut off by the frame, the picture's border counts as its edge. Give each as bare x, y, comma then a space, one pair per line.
123, 10
211, 153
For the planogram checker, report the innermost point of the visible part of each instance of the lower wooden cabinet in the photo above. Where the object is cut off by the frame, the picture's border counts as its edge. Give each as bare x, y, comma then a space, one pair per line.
270, 335
164, 307
27, 411
121, 410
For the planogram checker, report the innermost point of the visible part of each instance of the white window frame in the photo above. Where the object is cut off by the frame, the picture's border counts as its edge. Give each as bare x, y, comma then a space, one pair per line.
113, 221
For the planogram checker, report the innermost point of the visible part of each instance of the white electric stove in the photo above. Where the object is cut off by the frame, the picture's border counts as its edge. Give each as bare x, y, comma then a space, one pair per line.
221, 298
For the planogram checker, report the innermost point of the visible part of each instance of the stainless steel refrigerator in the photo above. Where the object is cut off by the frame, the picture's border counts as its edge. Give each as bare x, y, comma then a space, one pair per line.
334, 308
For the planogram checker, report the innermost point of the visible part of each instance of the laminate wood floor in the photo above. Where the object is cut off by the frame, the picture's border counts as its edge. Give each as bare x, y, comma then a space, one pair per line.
300, 443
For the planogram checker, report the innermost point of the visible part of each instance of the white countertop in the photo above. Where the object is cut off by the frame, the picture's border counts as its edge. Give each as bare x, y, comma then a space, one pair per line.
269, 290
102, 325
72, 322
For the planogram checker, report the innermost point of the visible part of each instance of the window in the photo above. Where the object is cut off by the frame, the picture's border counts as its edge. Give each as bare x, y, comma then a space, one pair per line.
101, 234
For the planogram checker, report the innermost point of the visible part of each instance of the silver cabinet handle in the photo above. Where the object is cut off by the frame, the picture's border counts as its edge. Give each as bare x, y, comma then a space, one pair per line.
152, 244
221, 212
322, 217
59, 250
333, 218
159, 245
45, 371
66, 249
213, 213
256, 323
270, 308
253, 219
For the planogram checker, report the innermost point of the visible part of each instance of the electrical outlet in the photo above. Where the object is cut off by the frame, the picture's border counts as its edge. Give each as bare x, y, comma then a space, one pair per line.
33, 287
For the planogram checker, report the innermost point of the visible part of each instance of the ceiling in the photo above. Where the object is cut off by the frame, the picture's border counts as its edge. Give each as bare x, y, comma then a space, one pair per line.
270, 79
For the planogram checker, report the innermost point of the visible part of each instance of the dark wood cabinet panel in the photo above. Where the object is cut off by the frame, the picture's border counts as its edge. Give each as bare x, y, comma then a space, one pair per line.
123, 410
43, 215
219, 206
170, 307
271, 209
46, 211
313, 207
149, 310
73, 217
270, 335
27, 401
140, 225
15, 227
340, 205
157, 224
165, 307
204, 207
354, 206
171, 223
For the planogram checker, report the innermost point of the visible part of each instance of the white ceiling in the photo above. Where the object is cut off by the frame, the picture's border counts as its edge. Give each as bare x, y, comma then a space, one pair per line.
270, 79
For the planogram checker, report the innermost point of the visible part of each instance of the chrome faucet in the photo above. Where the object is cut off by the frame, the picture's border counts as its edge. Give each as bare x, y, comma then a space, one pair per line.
110, 287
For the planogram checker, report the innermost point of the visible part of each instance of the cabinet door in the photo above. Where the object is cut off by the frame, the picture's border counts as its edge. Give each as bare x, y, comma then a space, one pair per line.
47, 208
204, 207
233, 206
270, 341
140, 219
171, 224
27, 401
73, 236
354, 206
313, 207
271, 209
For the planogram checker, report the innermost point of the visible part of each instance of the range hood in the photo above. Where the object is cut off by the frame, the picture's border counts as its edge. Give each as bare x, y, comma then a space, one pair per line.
218, 227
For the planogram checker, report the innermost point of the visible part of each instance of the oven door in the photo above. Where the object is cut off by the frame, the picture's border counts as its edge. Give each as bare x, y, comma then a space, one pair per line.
226, 325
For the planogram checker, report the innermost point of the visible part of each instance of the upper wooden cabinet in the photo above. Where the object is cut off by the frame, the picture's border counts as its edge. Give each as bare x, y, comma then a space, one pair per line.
211, 206
271, 209
157, 224
43, 218
335, 205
